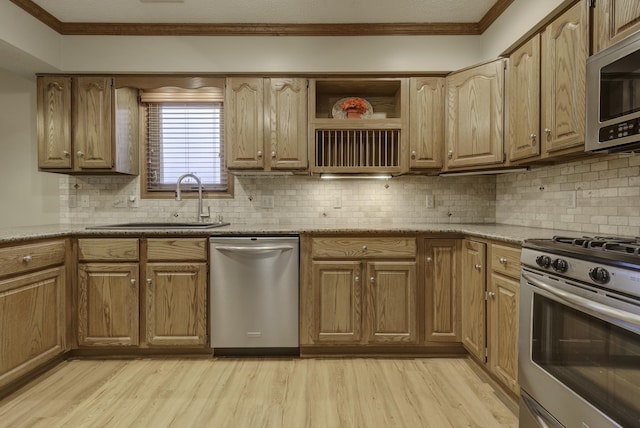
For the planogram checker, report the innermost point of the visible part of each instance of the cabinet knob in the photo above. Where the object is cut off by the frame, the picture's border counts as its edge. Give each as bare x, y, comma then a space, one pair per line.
357, 278
547, 131
273, 155
429, 259
27, 259
259, 154
413, 154
532, 137
372, 280
65, 153
491, 294
502, 260
80, 154
364, 248
133, 281
478, 267
149, 281
450, 154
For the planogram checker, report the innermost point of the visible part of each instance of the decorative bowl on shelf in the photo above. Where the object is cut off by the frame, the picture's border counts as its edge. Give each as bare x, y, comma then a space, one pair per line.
352, 108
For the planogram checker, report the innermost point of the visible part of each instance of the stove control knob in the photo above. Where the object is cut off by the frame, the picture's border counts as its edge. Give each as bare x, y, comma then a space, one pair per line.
599, 275
543, 261
560, 265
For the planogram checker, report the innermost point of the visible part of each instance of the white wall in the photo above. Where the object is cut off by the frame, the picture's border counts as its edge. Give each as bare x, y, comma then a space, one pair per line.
28, 197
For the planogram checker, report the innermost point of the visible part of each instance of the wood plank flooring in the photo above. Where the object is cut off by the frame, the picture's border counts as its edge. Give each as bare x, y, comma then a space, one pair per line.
228, 392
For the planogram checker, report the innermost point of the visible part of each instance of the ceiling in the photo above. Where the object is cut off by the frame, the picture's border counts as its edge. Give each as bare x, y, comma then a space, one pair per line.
260, 17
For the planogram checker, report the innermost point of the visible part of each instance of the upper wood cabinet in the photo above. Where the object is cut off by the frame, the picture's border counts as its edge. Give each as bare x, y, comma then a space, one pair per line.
565, 47
85, 125
374, 142
475, 116
426, 139
266, 123
523, 101
613, 21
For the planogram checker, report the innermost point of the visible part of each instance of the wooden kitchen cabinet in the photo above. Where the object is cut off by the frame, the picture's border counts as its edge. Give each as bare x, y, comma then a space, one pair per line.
176, 292
503, 313
108, 292
362, 291
473, 286
426, 144
32, 307
475, 116
442, 288
565, 48
376, 142
86, 125
613, 21
266, 123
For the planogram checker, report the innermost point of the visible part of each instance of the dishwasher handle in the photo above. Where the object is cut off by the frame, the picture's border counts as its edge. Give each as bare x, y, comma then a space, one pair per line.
253, 249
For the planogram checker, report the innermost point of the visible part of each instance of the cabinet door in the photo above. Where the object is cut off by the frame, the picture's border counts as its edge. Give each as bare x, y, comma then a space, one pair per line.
473, 297
614, 20
108, 304
442, 306
337, 292
244, 122
176, 304
427, 122
502, 309
565, 45
524, 101
391, 302
92, 137
287, 127
54, 122
32, 322
475, 116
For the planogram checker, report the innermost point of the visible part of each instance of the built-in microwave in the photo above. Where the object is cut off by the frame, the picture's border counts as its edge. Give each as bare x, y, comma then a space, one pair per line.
613, 98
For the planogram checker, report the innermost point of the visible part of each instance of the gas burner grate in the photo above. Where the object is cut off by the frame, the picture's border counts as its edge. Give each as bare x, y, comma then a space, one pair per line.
606, 243
628, 248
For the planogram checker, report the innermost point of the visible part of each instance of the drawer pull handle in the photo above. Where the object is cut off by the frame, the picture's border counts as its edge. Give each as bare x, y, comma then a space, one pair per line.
502, 260
27, 259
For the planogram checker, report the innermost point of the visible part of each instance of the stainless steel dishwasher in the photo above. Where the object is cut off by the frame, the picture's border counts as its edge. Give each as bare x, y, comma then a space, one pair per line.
254, 295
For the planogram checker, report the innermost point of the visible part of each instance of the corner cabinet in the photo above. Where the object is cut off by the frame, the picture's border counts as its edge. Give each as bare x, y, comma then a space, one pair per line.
266, 123
375, 142
32, 307
475, 116
473, 287
360, 291
85, 125
442, 290
613, 21
426, 122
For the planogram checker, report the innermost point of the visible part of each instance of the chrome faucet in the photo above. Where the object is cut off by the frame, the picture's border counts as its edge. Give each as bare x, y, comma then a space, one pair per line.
200, 216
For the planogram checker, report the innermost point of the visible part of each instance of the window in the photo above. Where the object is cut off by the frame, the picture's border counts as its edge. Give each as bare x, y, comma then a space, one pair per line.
184, 134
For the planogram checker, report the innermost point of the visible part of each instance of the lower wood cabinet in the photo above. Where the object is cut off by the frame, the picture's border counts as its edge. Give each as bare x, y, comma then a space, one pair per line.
167, 309
32, 321
442, 290
473, 286
362, 291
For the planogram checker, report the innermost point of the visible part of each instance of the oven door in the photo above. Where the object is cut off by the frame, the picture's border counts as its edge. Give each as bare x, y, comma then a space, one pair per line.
579, 353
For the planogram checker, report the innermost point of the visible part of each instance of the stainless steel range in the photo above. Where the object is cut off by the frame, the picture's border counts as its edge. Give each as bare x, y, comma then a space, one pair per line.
579, 344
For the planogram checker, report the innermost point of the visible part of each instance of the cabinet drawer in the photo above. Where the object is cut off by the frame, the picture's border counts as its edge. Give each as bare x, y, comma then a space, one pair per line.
108, 249
22, 258
397, 248
177, 249
505, 260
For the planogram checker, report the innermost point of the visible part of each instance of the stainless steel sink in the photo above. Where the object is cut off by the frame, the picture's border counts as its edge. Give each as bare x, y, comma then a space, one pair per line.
165, 225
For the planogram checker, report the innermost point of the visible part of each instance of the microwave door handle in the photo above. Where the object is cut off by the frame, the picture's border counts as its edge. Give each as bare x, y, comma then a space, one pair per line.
587, 304
539, 414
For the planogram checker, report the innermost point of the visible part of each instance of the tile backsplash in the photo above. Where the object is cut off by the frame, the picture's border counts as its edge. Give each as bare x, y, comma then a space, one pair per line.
289, 201
597, 195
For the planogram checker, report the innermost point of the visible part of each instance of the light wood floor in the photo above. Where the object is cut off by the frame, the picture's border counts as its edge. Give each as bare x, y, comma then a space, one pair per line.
431, 392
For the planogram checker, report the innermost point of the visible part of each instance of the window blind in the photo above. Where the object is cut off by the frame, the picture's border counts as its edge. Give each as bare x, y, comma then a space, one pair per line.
185, 137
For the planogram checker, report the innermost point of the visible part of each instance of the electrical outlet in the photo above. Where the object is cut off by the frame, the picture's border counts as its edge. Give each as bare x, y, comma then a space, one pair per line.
431, 201
268, 201
337, 203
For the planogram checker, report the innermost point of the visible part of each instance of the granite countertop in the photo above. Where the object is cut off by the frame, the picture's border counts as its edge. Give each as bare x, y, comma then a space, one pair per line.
506, 233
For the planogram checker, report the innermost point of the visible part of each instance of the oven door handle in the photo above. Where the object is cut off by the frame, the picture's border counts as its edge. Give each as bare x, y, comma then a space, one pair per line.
540, 415
585, 303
